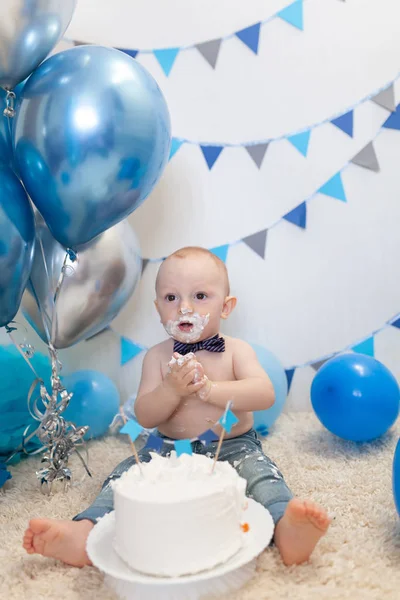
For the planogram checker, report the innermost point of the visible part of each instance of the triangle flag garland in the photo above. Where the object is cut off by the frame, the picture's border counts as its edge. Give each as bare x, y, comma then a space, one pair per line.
393, 121
396, 323
129, 350
300, 141
365, 347
367, 158
289, 377
211, 153
131, 53
386, 98
293, 14
345, 122
145, 262
250, 36
257, 152
221, 251
175, 145
298, 216
334, 188
257, 242
318, 364
166, 58
210, 51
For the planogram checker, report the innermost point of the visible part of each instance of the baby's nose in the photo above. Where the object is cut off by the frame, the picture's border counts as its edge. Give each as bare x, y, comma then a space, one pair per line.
185, 309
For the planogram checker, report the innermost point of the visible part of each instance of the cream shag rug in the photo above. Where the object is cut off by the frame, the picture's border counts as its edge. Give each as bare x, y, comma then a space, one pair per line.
359, 558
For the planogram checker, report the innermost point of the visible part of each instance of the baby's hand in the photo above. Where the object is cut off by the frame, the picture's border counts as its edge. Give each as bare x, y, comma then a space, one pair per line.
183, 376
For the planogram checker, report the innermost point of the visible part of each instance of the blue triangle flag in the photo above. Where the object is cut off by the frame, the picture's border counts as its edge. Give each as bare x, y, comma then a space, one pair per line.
365, 347
228, 420
396, 323
289, 377
129, 350
166, 58
345, 122
298, 216
293, 14
211, 153
183, 447
208, 436
221, 252
154, 442
175, 145
393, 121
300, 141
133, 429
250, 36
334, 188
132, 53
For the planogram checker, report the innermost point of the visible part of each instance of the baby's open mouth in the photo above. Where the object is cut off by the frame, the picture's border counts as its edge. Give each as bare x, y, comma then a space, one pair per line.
185, 326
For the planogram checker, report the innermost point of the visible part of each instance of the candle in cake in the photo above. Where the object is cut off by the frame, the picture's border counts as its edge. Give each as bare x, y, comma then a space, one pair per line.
132, 429
227, 421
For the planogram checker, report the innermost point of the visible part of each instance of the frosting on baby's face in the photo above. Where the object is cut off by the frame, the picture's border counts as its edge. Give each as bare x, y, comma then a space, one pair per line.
191, 297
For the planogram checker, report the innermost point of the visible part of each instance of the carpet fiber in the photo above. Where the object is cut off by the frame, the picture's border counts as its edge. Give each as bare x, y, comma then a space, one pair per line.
359, 558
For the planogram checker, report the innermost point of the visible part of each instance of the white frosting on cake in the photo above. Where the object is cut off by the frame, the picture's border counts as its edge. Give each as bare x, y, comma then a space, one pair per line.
178, 517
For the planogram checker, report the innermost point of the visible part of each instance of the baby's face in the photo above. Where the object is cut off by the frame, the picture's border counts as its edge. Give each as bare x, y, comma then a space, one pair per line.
190, 297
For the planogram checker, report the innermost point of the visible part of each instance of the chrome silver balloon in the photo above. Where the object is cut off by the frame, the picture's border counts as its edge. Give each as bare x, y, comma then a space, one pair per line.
94, 289
29, 30
92, 137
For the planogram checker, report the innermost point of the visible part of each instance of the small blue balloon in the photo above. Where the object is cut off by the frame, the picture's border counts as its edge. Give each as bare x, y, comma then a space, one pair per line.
95, 401
396, 477
92, 137
355, 397
17, 232
264, 419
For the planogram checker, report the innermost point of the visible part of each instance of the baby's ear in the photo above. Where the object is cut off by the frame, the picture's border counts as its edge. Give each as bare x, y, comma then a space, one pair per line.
156, 305
229, 305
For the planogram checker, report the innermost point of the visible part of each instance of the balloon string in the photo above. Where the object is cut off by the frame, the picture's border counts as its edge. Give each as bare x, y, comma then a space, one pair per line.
26, 359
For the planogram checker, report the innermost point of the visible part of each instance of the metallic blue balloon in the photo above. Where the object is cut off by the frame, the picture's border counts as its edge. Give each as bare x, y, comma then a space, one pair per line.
396, 477
17, 234
29, 30
92, 138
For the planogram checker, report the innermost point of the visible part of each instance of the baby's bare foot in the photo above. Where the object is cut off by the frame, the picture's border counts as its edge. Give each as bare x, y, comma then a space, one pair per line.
64, 540
299, 530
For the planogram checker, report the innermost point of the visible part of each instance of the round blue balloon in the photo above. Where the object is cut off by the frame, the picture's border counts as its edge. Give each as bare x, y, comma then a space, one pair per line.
95, 401
396, 477
356, 397
264, 419
92, 137
15, 382
17, 232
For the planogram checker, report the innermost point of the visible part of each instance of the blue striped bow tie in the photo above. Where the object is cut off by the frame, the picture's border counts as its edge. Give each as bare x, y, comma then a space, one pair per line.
212, 344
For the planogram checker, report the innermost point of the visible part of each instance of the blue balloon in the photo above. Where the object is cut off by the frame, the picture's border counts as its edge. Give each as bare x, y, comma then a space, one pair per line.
95, 401
92, 137
355, 397
264, 419
15, 382
396, 477
17, 232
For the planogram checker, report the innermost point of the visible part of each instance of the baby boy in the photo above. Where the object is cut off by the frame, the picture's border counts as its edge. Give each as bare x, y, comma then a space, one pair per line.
186, 383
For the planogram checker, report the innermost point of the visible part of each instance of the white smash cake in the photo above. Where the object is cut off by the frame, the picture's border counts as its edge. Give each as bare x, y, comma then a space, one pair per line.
177, 517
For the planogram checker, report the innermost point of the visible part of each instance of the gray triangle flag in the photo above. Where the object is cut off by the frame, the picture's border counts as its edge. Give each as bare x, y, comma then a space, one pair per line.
209, 51
257, 152
367, 158
257, 242
386, 98
318, 364
145, 262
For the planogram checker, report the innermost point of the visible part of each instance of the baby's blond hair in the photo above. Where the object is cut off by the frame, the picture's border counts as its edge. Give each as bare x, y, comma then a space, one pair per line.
199, 251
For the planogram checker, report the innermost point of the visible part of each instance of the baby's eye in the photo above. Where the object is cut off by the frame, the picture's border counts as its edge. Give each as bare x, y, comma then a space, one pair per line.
201, 296
170, 297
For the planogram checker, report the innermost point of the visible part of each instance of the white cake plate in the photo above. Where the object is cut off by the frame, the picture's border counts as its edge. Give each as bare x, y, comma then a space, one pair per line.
222, 579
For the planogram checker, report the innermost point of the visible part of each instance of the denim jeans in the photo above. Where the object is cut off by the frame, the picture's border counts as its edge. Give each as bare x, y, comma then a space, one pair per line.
265, 482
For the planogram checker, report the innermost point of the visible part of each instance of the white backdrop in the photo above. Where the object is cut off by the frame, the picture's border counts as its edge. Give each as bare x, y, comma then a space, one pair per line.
317, 290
